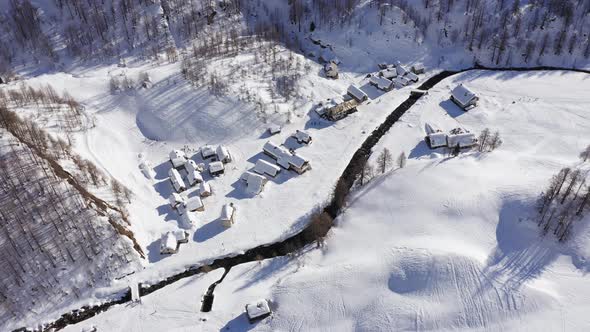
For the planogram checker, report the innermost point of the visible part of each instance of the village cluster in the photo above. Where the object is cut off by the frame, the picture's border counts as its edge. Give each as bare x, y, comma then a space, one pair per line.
388, 77
185, 173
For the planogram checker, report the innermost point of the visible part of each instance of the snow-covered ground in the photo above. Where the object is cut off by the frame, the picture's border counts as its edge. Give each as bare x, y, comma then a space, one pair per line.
444, 243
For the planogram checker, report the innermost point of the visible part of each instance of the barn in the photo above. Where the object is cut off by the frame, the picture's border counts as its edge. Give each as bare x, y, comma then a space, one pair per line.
264, 167
357, 94
176, 180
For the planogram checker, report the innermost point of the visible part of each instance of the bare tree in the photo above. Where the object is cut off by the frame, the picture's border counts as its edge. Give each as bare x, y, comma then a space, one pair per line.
585, 154
367, 173
384, 160
401, 160
484, 140
495, 141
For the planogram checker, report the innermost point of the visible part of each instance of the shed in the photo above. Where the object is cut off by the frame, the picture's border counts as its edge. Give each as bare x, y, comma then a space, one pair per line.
175, 200
207, 151
194, 177
331, 70
436, 140
464, 97
228, 215
255, 183
357, 93
177, 158
258, 310
381, 83
274, 129
264, 167
418, 68
301, 137
216, 168
176, 180
168, 244
205, 189
195, 204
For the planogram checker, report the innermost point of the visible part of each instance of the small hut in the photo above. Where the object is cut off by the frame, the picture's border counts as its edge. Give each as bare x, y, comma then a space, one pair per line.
331, 70
207, 151
223, 154
205, 189
301, 137
258, 310
168, 244
228, 215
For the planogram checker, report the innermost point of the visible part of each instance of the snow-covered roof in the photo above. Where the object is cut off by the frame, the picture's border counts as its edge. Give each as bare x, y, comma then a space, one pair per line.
412, 77
255, 183
389, 73
204, 188
418, 67
464, 140
437, 139
381, 82
283, 156
400, 81
357, 93
297, 160
174, 154
181, 236
401, 71
177, 157
189, 219
168, 242
462, 94
190, 165
274, 129
194, 177
194, 203
176, 179
227, 212
258, 308
264, 167
301, 136
207, 151
223, 153
216, 166
175, 199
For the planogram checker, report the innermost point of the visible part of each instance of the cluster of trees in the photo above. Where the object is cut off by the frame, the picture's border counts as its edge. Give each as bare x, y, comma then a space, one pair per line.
565, 200
489, 142
383, 163
63, 107
53, 244
55, 149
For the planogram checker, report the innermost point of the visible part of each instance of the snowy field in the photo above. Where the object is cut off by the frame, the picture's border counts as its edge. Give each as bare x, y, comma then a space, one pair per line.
443, 244
147, 124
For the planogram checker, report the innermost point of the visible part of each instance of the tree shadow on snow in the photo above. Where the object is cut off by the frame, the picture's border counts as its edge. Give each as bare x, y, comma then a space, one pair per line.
451, 108
521, 254
209, 230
